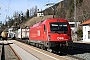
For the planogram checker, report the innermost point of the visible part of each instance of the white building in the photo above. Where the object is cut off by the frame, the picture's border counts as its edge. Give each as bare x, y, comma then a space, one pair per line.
39, 14
72, 24
73, 30
86, 31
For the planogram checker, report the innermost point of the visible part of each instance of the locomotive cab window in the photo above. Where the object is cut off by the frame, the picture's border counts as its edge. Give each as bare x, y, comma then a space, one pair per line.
59, 27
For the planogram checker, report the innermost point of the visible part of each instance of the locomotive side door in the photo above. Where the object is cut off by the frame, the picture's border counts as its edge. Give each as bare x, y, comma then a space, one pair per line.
44, 33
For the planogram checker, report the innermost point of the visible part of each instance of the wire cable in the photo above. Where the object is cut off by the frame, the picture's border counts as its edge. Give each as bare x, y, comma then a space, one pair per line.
29, 3
51, 5
7, 6
7, 11
44, 4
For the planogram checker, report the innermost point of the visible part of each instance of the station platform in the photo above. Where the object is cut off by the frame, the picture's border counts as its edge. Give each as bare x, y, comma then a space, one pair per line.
5, 42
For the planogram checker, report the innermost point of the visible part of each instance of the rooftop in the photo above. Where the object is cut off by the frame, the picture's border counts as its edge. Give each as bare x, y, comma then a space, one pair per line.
86, 22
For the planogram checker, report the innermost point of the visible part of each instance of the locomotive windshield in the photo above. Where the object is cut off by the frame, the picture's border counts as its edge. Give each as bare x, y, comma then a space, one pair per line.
59, 27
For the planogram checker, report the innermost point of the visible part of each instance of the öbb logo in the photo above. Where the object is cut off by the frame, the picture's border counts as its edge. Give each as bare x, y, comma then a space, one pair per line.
60, 38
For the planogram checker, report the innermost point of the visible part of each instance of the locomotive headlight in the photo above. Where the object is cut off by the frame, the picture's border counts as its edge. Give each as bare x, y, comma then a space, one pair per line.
49, 38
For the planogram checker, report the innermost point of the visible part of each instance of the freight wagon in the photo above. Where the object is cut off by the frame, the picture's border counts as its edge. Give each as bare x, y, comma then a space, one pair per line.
12, 32
22, 33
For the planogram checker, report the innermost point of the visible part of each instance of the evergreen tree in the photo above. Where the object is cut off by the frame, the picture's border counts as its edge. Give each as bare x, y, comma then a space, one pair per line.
27, 14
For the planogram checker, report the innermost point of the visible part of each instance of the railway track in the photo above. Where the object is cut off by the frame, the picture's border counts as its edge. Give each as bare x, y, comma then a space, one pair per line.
75, 53
75, 57
70, 56
79, 52
82, 56
7, 52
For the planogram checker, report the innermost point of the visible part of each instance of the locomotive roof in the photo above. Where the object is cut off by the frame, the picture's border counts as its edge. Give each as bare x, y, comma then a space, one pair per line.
41, 22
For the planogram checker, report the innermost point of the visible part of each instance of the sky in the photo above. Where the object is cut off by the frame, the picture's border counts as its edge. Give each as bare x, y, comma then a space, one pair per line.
8, 7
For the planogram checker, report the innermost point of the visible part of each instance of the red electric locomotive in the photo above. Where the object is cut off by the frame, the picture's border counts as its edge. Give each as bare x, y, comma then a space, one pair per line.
53, 33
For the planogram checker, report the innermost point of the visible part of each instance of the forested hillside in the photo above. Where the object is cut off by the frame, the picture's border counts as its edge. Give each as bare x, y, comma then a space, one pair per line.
65, 9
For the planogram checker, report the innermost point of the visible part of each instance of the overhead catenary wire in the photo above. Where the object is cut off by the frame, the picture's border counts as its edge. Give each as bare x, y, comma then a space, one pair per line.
7, 10
7, 6
56, 1
44, 4
47, 3
30, 2
52, 4
27, 5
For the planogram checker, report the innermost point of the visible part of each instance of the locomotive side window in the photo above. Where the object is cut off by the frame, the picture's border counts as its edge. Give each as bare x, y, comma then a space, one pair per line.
59, 26
44, 28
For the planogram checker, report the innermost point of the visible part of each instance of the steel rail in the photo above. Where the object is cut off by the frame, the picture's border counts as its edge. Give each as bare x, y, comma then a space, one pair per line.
15, 53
